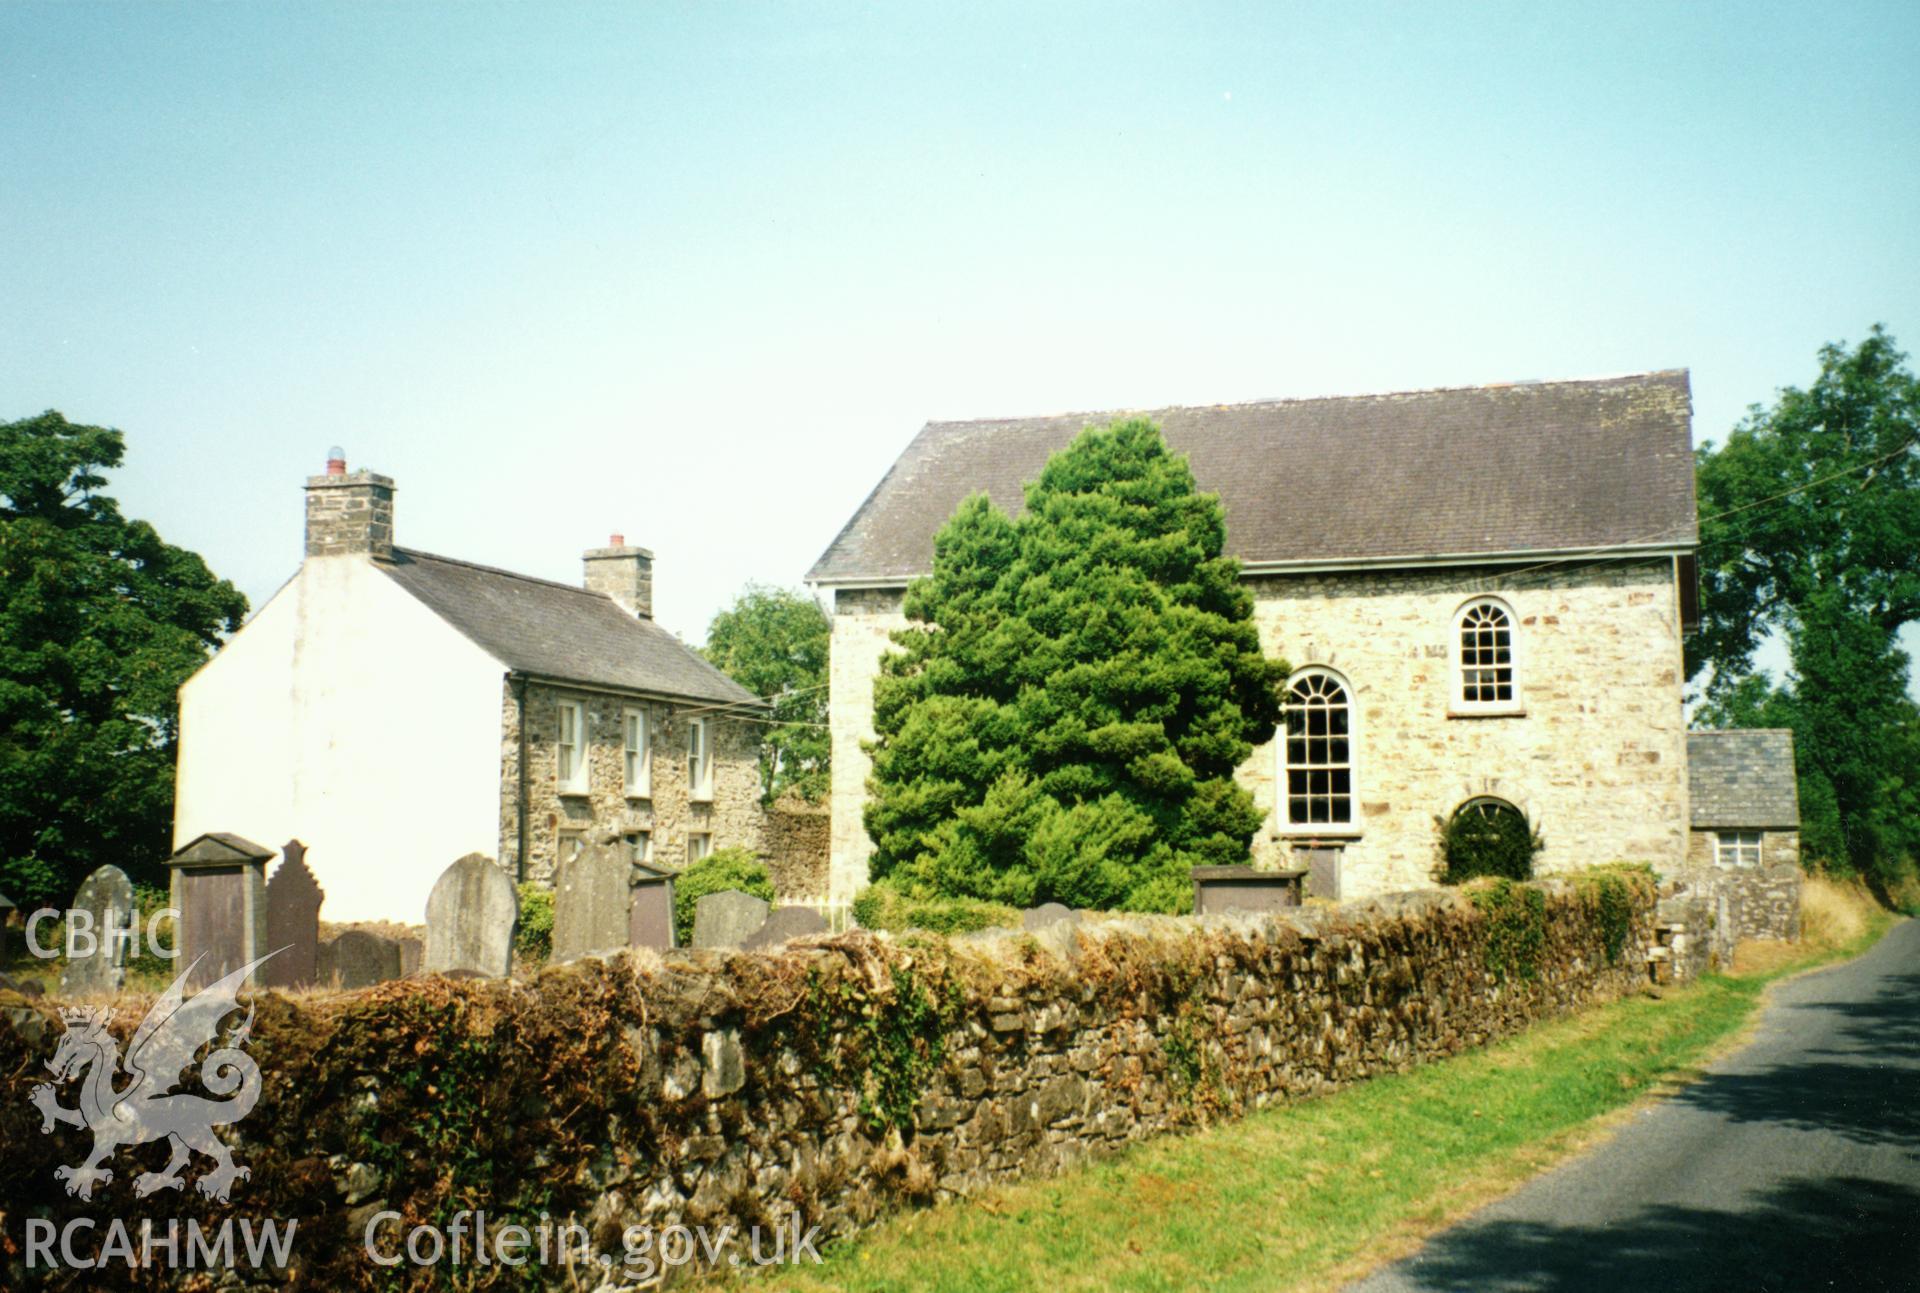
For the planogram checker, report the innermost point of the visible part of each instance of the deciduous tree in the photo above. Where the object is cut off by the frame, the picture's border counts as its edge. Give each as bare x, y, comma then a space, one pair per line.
100, 622
774, 643
1811, 530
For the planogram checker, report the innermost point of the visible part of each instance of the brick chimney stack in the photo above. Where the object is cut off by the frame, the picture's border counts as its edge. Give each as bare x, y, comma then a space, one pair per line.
349, 512
623, 573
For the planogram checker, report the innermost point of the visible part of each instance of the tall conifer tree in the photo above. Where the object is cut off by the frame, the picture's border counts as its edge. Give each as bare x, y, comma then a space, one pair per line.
1065, 715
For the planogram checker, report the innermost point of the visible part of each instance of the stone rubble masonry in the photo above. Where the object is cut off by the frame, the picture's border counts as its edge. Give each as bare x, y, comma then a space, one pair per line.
796, 850
350, 515
1597, 761
1740, 903
702, 1096
732, 817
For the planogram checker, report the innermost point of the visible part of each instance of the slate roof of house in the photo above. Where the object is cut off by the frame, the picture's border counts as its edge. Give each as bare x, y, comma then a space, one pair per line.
1481, 470
552, 630
1743, 779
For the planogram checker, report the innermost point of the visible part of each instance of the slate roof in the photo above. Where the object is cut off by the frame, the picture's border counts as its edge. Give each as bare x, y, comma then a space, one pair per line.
556, 631
1743, 779
1486, 470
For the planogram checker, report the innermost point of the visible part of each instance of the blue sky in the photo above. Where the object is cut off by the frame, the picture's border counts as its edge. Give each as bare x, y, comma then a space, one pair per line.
697, 272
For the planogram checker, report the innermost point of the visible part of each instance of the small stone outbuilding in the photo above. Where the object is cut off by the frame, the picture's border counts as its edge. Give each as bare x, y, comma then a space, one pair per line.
1745, 798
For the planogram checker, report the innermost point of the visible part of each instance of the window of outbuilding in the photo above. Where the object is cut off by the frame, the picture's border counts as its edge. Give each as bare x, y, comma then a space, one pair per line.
1736, 848
1486, 675
1317, 753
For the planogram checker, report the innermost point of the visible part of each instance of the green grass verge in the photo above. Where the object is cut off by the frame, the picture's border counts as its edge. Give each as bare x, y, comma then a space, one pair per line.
1313, 1193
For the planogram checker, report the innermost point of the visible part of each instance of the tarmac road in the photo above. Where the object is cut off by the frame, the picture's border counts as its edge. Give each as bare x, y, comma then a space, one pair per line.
1794, 1164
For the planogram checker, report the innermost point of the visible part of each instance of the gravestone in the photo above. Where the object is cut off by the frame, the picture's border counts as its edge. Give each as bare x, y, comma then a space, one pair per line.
293, 921
1047, 913
1323, 871
107, 897
220, 890
412, 953
650, 908
356, 958
590, 901
786, 923
470, 918
727, 918
1220, 889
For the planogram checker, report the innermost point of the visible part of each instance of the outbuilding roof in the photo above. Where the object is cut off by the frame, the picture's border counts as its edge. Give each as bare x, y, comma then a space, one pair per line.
556, 631
1603, 463
1743, 779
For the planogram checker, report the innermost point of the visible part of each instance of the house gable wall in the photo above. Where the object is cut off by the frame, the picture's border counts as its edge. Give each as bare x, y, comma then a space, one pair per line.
349, 716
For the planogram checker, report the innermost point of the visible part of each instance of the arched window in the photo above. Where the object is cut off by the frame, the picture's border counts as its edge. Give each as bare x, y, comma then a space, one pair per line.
1318, 752
1488, 836
1487, 668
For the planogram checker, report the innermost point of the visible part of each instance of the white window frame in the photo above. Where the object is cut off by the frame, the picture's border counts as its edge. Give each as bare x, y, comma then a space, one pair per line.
1284, 824
1731, 848
1457, 704
704, 841
636, 753
699, 760
640, 846
570, 757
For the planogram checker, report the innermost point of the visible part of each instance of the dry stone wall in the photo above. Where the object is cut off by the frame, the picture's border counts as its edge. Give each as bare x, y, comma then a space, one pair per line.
835, 1080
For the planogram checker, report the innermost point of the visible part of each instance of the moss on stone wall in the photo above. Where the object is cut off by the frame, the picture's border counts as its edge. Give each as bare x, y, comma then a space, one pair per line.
831, 1082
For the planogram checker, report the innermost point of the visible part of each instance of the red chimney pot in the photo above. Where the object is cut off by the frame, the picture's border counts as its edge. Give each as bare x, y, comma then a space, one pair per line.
616, 540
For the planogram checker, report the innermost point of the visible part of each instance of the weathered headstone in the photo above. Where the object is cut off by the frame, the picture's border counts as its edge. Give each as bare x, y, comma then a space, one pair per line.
470, 918
358, 958
220, 890
1219, 889
727, 918
293, 921
650, 908
412, 953
98, 963
1047, 913
786, 923
590, 898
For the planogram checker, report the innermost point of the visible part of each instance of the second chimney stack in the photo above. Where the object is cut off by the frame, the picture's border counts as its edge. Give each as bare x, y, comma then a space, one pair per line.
623, 573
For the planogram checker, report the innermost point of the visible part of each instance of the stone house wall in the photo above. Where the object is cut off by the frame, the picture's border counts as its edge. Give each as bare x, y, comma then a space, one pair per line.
1597, 761
733, 817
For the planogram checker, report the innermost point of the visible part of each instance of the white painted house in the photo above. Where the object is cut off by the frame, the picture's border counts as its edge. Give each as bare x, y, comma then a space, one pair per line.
373, 709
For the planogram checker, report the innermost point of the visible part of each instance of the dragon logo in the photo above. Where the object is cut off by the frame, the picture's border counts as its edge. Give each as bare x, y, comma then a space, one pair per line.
145, 1107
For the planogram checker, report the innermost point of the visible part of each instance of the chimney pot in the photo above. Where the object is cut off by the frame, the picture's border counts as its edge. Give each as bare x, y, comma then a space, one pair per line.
336, 461
616, 540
